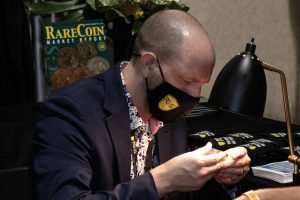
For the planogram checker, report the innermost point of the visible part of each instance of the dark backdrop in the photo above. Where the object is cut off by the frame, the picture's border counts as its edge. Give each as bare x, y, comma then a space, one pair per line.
17, 69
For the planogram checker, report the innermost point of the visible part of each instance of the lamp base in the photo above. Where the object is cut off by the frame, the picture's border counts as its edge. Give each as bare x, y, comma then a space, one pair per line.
296, 179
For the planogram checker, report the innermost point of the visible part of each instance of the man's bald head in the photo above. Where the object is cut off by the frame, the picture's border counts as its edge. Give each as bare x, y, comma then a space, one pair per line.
170, 34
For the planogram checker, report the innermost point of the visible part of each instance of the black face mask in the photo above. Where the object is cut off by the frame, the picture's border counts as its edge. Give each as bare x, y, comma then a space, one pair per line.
167, 103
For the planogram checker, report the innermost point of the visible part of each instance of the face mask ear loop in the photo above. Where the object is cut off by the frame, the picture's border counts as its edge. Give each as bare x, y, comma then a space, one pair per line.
146, 82
162, 75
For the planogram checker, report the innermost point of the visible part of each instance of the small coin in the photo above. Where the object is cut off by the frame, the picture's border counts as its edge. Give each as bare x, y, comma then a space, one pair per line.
66, 57
62, 77
85, 50
98, 65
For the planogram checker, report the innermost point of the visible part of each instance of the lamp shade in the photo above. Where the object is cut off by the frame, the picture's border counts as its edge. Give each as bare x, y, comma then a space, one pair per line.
241, 85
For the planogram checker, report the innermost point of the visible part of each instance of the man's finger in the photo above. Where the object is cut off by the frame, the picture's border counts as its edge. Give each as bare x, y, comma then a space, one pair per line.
236, 152
212, 170
212, 159
231, 171
204, 150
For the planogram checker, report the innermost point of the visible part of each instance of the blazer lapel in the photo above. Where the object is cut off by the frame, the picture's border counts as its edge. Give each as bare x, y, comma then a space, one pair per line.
118, 121
163, 144
118, 125
172, 141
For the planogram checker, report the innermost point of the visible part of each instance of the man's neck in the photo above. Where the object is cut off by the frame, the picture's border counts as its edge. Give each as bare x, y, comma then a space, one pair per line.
135, 85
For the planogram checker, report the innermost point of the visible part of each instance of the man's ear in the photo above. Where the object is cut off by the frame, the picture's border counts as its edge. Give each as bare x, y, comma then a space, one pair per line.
148, 61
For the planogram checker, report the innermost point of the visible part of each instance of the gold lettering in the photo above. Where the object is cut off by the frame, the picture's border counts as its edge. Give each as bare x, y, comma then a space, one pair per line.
98, 30
58, 34
66, 33
74, 32
88, 31
79, 30
49, 32
169, 102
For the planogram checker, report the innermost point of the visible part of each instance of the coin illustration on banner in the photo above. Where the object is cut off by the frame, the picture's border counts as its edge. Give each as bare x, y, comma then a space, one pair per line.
98, 65
82, 72
85, 50
66, 57
62, 77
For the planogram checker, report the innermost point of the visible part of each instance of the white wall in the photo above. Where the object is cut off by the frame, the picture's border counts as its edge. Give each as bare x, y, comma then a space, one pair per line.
274, 25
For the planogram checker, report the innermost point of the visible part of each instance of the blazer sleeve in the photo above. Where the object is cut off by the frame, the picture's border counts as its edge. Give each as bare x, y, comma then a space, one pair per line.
63, 154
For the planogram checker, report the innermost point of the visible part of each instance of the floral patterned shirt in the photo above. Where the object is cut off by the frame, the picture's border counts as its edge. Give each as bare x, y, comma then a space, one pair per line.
142, 138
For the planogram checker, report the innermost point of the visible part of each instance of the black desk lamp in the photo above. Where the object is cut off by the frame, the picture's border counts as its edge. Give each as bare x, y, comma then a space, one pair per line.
241, 85
241, 88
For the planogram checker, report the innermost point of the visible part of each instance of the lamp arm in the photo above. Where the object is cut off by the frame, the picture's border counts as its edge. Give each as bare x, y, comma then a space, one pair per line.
292, 157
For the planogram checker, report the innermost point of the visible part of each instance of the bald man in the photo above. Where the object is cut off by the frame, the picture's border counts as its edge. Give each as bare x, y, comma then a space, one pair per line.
122, 134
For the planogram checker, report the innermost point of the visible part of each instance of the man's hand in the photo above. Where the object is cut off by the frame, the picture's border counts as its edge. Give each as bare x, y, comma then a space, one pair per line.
239, 168
189, 171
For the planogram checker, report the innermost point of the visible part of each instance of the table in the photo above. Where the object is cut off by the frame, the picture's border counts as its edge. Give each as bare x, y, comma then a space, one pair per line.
223, 123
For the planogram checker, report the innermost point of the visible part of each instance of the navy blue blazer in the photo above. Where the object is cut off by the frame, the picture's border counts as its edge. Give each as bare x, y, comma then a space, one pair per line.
82, 144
